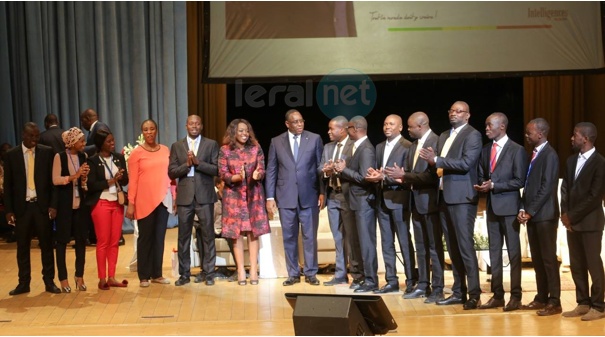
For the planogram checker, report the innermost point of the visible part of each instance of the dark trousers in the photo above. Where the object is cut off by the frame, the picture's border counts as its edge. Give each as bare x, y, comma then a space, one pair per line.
499, 228
200, 247
429, 249
584, 255
34, 219
150, 244
346, 239
397, 222
308, 221
205, 214
80, 247
458, 224
543, 245
365, 220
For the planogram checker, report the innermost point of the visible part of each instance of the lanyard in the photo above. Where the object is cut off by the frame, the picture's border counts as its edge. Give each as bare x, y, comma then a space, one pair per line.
106, 166
74, 164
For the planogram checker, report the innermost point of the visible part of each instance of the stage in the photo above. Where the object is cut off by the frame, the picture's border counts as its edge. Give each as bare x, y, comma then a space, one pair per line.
229, 309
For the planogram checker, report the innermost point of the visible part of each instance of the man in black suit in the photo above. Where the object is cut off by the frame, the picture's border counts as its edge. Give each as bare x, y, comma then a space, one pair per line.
459, 150
393, 207
582, 194
30, 201
424, 183
194, 162
52, 136
539, 210
502, 169
90, 122
361, 197
340, 216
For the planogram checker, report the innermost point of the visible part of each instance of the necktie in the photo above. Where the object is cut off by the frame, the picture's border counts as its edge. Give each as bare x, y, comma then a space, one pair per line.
334, 179
533, 155
30, 170
446, 149
492, 158
295, 147
417, 153
354, 148
192, 147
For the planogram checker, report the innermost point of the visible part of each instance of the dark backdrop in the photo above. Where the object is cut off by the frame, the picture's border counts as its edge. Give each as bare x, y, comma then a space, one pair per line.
396, 97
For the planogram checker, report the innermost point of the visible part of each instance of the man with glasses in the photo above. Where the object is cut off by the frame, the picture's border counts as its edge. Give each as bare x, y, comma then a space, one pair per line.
292, 186
456, 159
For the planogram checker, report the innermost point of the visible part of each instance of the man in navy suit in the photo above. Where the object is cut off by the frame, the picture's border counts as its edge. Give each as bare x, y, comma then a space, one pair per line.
292, 186
502, 169
90, 122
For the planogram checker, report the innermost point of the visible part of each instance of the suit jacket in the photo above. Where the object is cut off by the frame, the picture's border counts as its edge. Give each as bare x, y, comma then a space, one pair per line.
460, 166
52, 137
202, 184
97, 182
290, 182
361, 192
326, 156
394, 194
90, 148
508, 177
582, 197
540, 194
423, 178
15, 180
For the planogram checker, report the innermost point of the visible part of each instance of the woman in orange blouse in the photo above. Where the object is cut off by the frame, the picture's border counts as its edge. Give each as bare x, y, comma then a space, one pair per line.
150, 197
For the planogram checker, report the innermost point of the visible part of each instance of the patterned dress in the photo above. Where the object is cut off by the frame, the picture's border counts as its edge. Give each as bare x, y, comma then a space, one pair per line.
243, 202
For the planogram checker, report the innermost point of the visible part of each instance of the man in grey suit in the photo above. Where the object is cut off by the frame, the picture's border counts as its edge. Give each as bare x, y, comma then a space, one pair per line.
90, 122
424, 183
458, 156
292, 186
53, 135
502, 169
393, 207
194, 162
361, 197
340, 216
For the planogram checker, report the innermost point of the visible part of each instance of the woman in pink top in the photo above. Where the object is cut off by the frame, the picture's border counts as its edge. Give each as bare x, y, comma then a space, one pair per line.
150, 197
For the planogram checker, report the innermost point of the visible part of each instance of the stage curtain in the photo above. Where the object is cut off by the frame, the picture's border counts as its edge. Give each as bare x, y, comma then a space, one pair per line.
126, 60
209, 101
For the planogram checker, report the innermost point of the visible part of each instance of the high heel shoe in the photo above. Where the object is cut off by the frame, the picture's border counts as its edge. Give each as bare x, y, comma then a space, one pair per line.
254, 282
242, 283
82, 286
66, 289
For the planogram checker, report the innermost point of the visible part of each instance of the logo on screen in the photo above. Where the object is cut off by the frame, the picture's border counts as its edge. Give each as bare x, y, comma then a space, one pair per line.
346, 92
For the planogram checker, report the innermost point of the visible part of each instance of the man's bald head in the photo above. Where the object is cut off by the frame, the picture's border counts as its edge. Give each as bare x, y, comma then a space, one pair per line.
392, 126
358, 127
418, 124
87, 118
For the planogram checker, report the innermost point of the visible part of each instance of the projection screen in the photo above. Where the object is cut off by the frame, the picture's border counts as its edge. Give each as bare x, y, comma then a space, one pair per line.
305, 39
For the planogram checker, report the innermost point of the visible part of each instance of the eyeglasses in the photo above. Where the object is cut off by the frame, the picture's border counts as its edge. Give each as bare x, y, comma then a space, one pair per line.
299, 121
456, 111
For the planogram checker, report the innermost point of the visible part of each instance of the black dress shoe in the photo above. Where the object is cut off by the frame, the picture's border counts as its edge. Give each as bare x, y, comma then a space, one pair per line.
52, 288
182, 281
366, 288
121, 242
20, 289
356, 283
492, 303
291, 280
416, 293
410, 288
434, 297
199, 278
312, 280
473, 303
334, 281
452, 300
209, 280
513, 304
388, 288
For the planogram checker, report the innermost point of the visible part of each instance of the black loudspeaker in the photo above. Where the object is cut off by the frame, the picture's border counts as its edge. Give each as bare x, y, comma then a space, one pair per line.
328, 316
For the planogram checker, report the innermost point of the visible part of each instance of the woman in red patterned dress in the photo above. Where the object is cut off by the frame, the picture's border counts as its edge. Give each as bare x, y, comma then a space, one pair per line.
241, 164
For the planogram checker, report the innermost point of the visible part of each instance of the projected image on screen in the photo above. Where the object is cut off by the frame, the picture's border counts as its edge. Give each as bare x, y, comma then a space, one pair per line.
289, 20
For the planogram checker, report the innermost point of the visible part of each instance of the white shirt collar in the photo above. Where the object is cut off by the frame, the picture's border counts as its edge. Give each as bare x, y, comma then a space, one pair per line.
344, 141
92, 126
24, 148
359, 141
502, 141
291, 135
588, 153
425, 136
539, 148
458, 129
189, 139
394, 141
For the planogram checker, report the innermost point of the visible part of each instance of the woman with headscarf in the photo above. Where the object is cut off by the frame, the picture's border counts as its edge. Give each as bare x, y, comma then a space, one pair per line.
70, 172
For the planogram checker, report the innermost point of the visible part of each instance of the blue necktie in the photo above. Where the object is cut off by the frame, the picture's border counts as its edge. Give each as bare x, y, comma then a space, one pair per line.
295, 148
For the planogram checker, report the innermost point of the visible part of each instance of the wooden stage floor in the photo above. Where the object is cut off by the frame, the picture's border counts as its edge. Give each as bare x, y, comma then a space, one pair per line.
229, 309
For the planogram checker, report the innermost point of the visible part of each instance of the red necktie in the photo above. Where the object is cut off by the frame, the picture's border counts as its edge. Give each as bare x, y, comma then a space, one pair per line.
533, 156
493, 157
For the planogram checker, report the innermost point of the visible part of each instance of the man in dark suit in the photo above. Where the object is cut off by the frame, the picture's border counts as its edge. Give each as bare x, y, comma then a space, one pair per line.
194, 162
459, 150
393, 207
340, 216
30, 201
502, 169
361, 197
52, 136
90, 122
424, 183
292, 186
582, 194
539, 210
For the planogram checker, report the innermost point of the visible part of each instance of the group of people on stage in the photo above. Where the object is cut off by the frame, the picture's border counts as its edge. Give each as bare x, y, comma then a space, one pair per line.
431, 185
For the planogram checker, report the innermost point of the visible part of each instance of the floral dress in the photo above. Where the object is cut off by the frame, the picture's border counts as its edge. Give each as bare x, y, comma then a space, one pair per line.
243, 202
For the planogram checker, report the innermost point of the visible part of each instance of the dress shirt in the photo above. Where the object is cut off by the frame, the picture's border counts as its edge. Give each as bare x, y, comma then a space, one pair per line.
29, 194
582, 158
196, 145
388, 148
